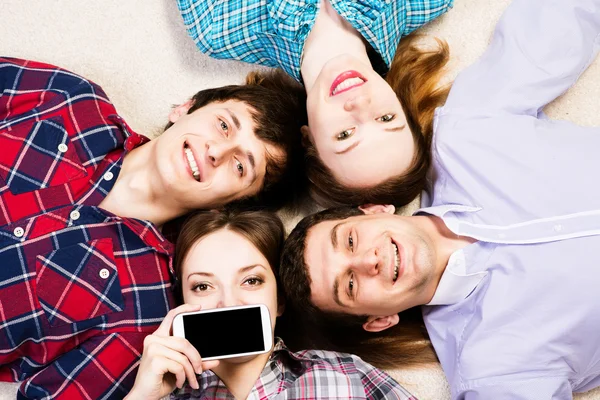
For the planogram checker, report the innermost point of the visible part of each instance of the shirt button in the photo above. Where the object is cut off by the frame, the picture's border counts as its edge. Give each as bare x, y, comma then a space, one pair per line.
75, 215
104, 273
557, 228
108, 176
62, 148
19, 232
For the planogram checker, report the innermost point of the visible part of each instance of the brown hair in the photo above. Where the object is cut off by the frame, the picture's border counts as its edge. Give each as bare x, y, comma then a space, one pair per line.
263, 229
414, 76
278, 107
405, 344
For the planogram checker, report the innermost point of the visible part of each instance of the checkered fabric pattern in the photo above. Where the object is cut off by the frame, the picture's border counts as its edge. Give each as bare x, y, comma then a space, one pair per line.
308, 374
273, 32
80, 288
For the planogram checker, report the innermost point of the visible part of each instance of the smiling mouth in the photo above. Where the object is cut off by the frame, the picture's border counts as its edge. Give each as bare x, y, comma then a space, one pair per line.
396, 262
189, 155
346, 81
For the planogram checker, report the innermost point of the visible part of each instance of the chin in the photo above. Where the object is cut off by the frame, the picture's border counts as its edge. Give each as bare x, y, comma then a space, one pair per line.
239, 360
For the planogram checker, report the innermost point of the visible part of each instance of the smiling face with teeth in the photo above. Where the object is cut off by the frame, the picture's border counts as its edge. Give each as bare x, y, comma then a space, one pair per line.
376, 264
211, 156
357, 124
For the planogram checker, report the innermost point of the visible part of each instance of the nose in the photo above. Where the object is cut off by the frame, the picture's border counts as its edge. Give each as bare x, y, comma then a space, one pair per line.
228, 298
357, 104
368, 262
217, 152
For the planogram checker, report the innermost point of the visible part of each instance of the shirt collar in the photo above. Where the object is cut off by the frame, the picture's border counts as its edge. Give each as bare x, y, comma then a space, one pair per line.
456, 284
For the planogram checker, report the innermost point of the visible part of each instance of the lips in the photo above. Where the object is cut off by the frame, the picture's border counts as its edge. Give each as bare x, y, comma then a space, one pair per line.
397, 261
193, 165
345, 81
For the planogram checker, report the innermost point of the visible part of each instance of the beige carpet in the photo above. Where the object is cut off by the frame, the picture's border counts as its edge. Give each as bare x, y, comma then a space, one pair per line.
138, 51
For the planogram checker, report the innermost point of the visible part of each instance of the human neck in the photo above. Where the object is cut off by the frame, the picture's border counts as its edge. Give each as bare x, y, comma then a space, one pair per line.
444, 243
135, 195
240, 378
332, 36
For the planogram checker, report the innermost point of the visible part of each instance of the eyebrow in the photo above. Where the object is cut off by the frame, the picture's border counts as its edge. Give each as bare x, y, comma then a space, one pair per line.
240, 271
336, 294
252, 162
206, 274
250, 267
396, 128
251, 158
334, 239
347, 149
235, 119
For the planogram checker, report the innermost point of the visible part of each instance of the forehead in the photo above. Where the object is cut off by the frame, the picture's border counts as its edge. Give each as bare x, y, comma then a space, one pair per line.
220, 253
323, 263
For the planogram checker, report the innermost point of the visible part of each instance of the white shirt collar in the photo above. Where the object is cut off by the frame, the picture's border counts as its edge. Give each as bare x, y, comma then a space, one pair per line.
455, 284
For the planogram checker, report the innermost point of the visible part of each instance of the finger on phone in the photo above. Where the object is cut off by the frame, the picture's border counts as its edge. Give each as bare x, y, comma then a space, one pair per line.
182, 345
166, 351
206, 365
165, 327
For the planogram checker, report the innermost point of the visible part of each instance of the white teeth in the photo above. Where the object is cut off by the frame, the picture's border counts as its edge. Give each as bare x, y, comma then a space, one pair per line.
347, 83
396, 262
193, 166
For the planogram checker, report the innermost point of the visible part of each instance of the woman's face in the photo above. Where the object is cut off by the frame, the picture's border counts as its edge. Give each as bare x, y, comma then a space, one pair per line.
224, 269
357, 124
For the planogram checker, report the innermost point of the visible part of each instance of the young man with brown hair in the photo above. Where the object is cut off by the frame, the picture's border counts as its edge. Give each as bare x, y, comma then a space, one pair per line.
503, 255
85, 271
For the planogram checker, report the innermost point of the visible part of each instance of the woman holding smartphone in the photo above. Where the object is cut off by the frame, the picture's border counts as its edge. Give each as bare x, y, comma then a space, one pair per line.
370, 101
225, 259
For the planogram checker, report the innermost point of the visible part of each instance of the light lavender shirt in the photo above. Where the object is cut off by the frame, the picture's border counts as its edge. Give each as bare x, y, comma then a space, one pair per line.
517, 314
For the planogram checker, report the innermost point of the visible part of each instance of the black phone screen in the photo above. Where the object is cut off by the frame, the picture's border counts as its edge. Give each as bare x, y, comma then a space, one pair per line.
225, 332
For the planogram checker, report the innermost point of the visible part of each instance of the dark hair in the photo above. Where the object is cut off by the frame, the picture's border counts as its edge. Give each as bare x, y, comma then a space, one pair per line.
278, 107
405, 344
414, 76
263, 229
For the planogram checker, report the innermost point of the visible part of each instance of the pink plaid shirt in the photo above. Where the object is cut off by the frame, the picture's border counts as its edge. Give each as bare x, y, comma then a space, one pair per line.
307, 374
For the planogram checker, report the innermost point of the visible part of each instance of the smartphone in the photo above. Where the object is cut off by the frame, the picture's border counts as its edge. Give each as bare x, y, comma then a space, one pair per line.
226, 332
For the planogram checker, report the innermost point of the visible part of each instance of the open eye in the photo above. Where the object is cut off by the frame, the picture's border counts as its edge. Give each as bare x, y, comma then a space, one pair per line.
254, 281
345, 134
351, 285
200, 287
386, 118
224, 126
240, 167
350, 242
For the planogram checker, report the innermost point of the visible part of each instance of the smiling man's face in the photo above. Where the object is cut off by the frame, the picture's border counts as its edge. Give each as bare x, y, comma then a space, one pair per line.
374, 264
212, 156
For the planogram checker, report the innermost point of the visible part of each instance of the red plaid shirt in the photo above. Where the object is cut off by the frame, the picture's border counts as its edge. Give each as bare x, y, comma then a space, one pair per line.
80, 288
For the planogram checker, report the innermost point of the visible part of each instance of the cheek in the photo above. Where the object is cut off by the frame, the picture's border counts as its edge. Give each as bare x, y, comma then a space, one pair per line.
207, 302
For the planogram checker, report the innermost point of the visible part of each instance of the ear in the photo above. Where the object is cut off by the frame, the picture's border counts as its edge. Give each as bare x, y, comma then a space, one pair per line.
377, 208
280, 308
378, 324
178, 111
306, 137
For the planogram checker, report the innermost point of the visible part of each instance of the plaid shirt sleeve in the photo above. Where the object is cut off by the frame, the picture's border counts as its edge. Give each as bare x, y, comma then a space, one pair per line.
273, 32
379, 385
102, 367
79, 287
372, 382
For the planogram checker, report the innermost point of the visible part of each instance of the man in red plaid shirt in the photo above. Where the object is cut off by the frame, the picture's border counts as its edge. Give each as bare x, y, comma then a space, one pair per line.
85, 273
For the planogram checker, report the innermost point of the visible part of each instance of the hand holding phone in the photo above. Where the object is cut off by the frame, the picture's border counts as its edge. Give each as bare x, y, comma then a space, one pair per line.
167, 361
227, 332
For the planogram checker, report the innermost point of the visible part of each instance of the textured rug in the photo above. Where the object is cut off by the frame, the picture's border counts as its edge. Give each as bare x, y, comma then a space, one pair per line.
139, 52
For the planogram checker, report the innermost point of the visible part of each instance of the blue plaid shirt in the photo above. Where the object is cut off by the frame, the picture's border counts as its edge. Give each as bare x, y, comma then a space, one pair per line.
273, 32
